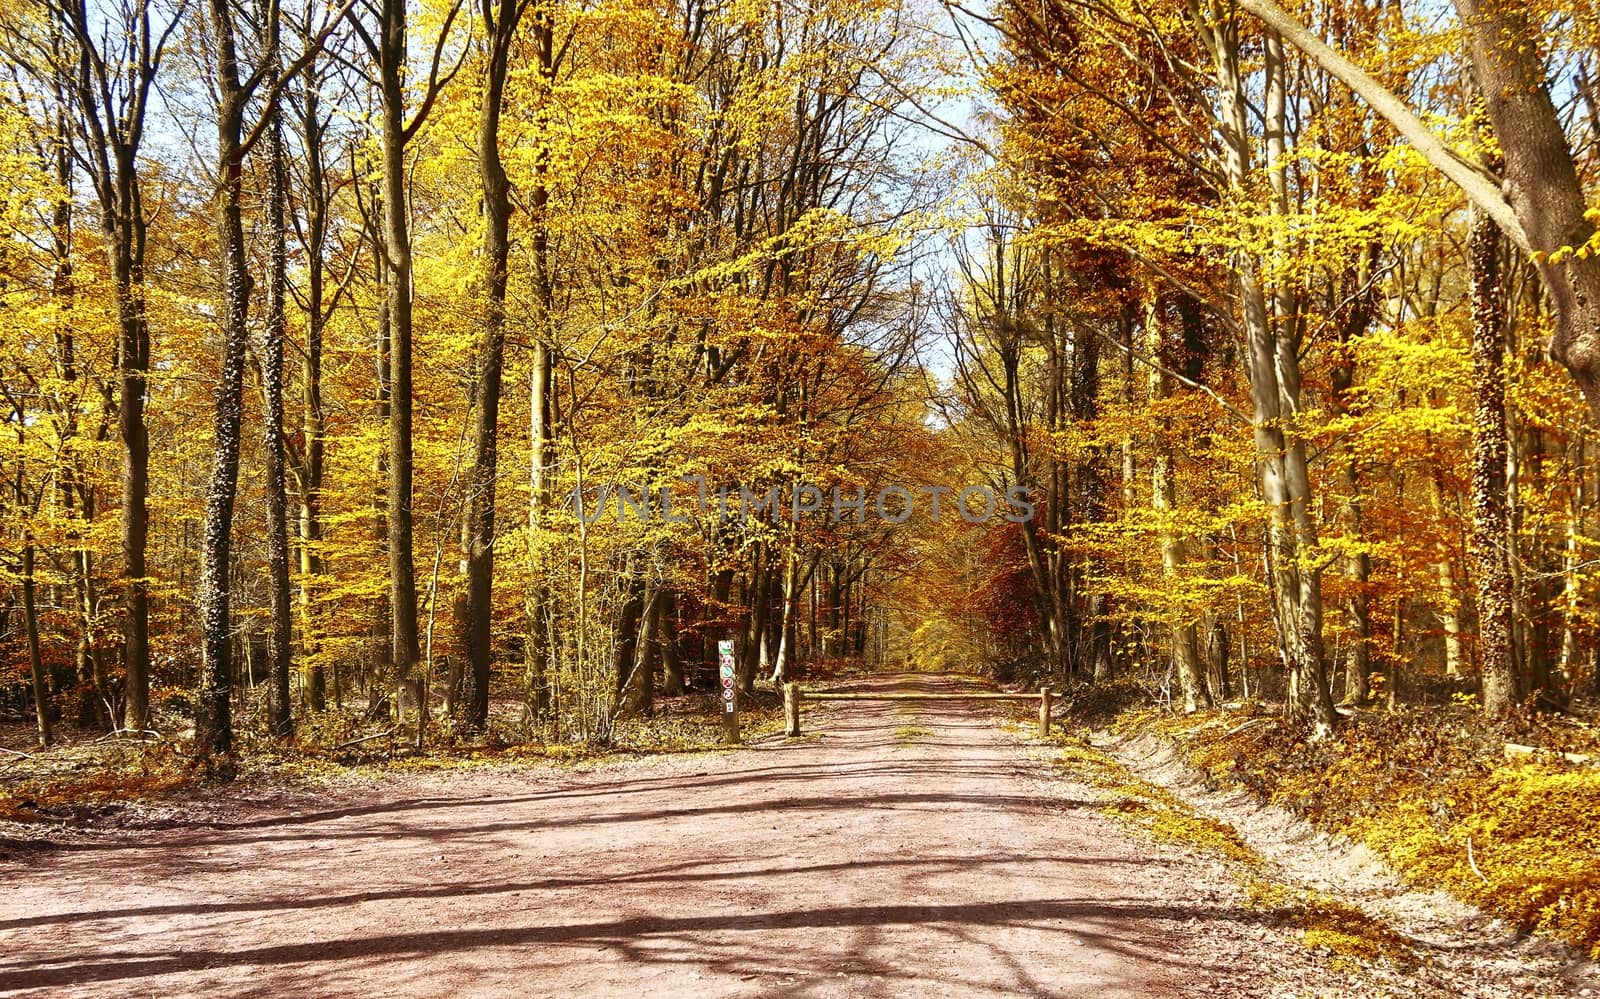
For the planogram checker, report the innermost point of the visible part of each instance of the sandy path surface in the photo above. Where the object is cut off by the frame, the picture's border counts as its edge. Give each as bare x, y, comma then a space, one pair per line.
903, 849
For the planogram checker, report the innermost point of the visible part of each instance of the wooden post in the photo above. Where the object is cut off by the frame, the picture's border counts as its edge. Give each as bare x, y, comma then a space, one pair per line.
791, 709
1044, 712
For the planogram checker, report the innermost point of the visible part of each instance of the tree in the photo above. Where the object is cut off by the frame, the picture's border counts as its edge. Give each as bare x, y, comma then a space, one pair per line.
500, 22
235, 89
387, 45
1491, 535
1542, 208
274, 336
323, 292
113, 67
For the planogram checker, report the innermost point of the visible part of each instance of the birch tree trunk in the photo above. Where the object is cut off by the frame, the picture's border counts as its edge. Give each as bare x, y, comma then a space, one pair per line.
786, 624
539, 639
1273, 363
1449, 589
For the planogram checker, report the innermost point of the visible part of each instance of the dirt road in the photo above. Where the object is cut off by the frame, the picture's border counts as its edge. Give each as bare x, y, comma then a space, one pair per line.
904, 849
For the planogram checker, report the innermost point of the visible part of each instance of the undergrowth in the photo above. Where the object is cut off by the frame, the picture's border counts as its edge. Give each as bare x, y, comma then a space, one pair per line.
1325, 923
81, 781
1431, 792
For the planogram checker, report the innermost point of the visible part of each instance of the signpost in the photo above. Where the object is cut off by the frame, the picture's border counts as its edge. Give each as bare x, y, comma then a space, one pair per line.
730, 706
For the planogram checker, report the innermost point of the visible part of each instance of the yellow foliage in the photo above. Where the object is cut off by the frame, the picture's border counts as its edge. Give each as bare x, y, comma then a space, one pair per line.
1325, 922
1429, 794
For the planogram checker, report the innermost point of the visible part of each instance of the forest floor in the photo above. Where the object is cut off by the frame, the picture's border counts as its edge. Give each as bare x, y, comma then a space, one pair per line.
902, 848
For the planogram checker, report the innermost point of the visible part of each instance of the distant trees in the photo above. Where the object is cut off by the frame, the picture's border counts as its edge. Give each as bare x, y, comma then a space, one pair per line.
1215, 321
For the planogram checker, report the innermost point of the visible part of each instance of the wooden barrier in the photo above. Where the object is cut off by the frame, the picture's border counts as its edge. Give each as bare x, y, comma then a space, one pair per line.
793, 694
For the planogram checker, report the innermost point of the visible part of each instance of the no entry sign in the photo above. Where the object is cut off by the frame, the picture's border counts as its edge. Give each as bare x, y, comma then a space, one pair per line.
730, 703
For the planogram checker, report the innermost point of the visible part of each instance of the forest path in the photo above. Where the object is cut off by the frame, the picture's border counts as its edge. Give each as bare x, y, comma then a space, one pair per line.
902, 848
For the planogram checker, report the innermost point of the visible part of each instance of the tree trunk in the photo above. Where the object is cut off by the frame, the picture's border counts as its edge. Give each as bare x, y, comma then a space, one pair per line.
91, 660
1217, 654
213, 718
1541, 178
637, 694
1357, 564
281, 626
309, 472
30, 623
834, 643
114, 131
1533, 574
1272, 359
1163, 497
1490, 512
1449, 590
630, 625
758, 594
397, 255
1357, 605
786, 622
539, 640
75, 491
376, 681
1572, 580
477, 628
1185, 649
672, 680
1450, 618
133, 363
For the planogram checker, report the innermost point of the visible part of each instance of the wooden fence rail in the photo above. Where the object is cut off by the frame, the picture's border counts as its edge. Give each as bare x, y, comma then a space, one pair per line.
794, 695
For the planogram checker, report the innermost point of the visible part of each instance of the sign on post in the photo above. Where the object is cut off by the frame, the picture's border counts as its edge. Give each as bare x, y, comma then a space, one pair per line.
730, 704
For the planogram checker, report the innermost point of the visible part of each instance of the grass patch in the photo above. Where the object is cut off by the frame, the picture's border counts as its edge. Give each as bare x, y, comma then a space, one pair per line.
1152, 809
1325, 923
1431, 793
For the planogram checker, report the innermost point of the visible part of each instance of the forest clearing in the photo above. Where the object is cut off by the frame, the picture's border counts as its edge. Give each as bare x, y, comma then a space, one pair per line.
463, 465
